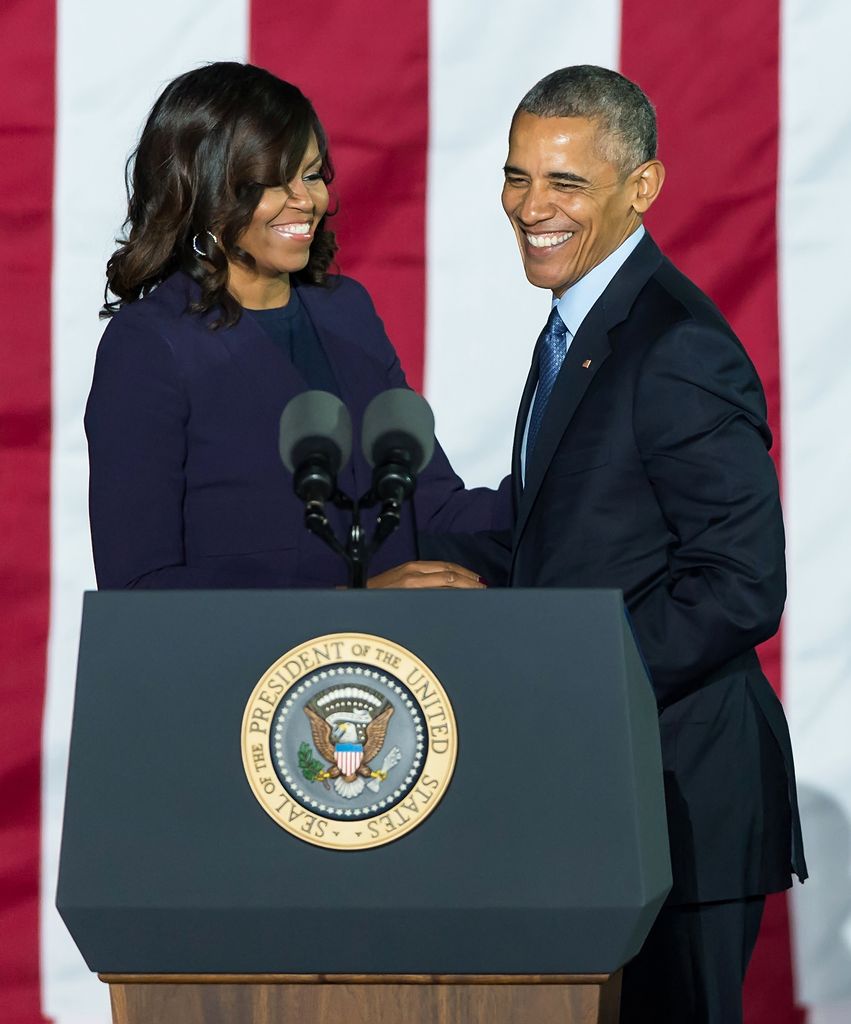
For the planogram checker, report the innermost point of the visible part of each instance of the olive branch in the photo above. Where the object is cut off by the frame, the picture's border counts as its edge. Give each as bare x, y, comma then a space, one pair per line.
310, 768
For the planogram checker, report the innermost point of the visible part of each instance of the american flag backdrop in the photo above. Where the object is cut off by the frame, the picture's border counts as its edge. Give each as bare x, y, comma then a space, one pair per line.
754, 101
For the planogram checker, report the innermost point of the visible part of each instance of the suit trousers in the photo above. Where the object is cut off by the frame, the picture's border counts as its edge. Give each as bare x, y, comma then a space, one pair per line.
692, 966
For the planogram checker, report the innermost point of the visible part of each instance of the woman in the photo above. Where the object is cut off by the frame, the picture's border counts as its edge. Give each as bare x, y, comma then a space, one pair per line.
225, 309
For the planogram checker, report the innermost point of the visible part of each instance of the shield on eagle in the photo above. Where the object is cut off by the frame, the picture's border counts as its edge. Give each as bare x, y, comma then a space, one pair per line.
348, 757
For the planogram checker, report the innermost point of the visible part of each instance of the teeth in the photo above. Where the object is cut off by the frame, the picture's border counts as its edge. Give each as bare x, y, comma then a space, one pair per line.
294, 229
548, 240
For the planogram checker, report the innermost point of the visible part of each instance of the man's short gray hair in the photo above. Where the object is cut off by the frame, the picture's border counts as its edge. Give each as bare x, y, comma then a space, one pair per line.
625, 118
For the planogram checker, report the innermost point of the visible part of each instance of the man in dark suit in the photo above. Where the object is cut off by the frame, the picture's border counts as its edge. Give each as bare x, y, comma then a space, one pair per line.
641, 462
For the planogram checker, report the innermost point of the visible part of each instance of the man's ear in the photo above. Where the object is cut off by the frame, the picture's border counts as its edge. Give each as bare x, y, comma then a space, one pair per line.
648, 179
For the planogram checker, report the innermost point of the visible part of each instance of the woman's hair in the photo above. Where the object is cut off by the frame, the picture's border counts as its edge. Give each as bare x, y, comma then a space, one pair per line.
214, 140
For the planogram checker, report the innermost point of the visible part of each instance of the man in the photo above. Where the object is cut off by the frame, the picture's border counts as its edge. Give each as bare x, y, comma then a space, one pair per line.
641, 462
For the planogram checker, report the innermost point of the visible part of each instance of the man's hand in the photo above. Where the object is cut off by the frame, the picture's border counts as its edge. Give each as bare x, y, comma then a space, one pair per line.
415, 575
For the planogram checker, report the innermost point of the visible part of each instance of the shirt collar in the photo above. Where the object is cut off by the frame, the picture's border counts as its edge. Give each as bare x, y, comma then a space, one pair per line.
577, 301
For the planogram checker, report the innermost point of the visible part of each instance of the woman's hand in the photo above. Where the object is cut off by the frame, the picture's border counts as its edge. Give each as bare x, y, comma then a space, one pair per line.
415, 575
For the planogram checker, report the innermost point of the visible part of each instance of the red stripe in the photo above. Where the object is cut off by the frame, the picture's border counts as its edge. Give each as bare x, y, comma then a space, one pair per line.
713, 72
367, 74
26, 195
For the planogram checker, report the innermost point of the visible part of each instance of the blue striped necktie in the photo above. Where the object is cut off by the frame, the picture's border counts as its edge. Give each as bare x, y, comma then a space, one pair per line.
552, 348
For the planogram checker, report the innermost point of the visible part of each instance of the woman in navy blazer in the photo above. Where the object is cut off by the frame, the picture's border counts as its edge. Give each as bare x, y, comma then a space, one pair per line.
227, 217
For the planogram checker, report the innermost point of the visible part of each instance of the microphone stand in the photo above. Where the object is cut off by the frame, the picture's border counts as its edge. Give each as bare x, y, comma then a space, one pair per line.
355, 553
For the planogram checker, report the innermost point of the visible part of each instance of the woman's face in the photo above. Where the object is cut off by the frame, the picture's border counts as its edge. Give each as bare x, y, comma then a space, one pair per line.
284, 222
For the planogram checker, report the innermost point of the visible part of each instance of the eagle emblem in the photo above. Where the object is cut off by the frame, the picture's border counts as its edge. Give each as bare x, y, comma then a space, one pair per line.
343, 752
348, 725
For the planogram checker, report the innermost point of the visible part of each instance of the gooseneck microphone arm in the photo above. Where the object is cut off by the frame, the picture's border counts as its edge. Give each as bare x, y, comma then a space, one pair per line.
393, 483
355, 553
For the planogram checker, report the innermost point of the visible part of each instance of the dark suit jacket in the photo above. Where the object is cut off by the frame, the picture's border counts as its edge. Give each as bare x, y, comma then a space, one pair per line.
651, 474
187, 488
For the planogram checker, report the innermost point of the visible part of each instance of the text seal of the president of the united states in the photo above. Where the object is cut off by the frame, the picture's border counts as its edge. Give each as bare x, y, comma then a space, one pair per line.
349, 741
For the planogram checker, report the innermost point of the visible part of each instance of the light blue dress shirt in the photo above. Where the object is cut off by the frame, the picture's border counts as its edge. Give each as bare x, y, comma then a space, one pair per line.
576, 304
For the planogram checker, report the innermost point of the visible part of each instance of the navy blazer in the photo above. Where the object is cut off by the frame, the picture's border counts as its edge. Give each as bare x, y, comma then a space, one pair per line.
651, 473
186, 485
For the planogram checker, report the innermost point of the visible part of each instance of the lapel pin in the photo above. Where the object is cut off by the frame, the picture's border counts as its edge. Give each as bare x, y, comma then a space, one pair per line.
586, 364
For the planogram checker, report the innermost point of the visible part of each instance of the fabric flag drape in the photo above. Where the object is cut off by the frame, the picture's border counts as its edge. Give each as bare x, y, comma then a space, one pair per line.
754, 103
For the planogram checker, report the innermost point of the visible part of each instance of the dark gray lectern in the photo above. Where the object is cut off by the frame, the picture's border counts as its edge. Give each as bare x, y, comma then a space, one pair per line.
519, 898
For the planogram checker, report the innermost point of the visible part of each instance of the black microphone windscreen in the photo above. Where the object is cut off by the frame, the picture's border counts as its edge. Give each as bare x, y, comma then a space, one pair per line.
315, 422
398, 419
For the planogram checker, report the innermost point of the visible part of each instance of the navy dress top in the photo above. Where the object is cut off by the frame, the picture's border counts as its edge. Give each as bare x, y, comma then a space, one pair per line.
293, 332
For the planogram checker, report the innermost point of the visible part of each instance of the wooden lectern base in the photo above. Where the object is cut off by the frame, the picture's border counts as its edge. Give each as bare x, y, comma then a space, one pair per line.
364, 998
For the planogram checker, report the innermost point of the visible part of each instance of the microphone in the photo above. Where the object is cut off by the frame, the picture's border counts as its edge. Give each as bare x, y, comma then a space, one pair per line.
315, 442
398, 442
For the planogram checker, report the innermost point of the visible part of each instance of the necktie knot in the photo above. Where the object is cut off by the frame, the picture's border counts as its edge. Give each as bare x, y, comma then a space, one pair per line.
555, 327
552, 348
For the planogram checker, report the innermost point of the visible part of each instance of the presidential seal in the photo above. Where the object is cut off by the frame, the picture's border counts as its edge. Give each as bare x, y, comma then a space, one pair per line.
348, 741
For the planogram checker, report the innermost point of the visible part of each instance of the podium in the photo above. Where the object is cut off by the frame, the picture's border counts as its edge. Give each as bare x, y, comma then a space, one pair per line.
517, 898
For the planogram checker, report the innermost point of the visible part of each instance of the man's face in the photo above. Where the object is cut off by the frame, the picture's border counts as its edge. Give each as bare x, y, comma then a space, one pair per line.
567, 204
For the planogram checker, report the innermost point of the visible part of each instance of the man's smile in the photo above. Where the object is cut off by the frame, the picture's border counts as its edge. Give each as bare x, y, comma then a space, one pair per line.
547, 239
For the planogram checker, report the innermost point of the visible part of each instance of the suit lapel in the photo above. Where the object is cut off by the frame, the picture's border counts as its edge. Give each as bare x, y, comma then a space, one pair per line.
591, 346
272, 378
350, 372
520, 429
586, 355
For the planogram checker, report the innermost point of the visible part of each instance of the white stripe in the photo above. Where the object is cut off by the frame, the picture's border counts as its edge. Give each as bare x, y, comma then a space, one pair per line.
815, 314
112, 60
483, 317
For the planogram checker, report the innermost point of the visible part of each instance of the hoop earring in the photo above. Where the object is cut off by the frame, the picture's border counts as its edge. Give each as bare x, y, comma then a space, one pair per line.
197, 248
